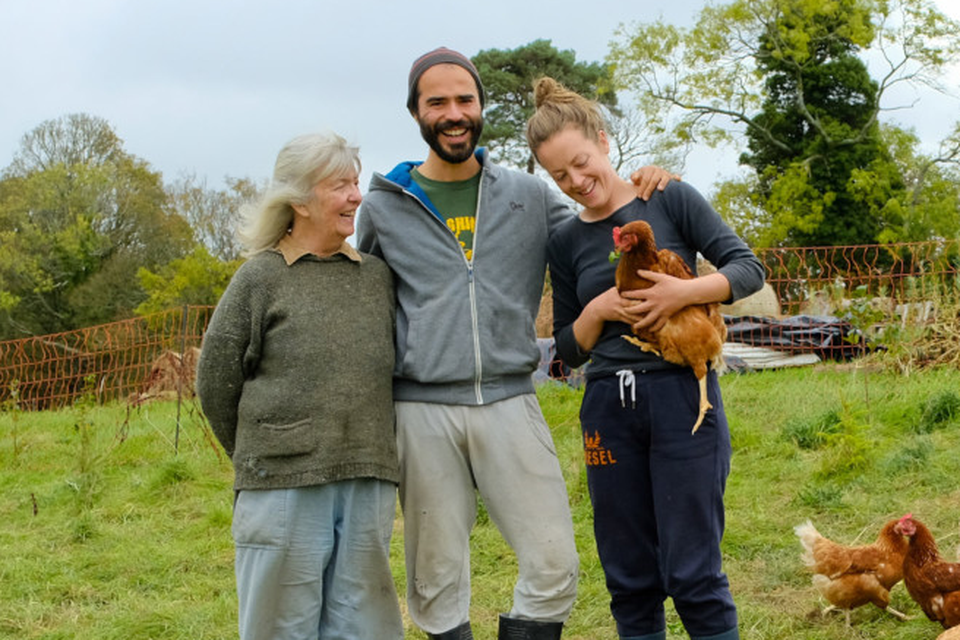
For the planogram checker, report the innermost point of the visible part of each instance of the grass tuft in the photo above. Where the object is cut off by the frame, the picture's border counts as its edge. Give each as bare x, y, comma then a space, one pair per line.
812, 434
173, 473
939, 411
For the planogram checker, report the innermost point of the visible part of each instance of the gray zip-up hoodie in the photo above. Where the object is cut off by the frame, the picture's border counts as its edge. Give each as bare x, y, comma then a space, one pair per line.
465, 329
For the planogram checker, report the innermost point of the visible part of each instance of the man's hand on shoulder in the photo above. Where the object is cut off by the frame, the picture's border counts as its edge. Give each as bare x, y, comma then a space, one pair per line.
651, 178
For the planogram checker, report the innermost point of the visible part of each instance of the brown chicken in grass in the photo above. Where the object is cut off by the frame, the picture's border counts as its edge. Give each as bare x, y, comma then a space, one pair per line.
850, 577
932, 583
950, 634
693, 336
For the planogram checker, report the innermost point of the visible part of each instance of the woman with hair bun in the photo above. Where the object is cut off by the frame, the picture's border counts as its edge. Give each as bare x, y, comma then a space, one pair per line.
657, 491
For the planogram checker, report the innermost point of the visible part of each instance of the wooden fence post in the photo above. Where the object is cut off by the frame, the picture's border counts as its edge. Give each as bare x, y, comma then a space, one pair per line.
183, 355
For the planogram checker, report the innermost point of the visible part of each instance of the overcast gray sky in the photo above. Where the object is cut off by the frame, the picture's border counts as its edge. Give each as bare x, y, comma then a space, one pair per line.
215, 87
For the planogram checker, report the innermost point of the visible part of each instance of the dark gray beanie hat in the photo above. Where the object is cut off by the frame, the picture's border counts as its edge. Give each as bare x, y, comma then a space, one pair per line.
441, 55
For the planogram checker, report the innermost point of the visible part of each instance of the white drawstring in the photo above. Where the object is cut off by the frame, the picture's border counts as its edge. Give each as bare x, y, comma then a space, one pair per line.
627, 379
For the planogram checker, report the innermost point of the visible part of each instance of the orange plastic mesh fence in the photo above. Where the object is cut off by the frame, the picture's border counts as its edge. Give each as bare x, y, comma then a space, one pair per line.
111, 361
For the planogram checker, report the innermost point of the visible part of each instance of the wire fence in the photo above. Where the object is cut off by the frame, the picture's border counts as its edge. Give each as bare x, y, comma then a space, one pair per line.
902, 272
116, 361
133, 359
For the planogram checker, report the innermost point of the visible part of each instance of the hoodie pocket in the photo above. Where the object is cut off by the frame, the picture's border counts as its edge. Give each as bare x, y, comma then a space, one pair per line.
509, 342
438, 348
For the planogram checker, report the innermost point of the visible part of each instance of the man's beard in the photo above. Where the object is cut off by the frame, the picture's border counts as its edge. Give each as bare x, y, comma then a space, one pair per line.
460, 152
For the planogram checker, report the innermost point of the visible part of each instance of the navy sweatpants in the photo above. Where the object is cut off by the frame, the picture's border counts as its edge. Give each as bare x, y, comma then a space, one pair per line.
657, 494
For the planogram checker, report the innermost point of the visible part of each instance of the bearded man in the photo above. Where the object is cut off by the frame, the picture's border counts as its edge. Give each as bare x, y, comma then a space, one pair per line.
466, 240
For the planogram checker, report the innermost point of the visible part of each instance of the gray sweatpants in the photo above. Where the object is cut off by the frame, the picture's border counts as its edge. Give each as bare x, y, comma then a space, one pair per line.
505, 452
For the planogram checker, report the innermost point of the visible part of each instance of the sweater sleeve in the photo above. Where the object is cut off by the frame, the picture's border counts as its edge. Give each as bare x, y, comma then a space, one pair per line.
566, 305
716, 241
220, 369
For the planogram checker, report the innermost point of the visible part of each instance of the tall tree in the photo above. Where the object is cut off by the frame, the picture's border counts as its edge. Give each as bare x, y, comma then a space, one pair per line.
927, 207
508, 76
214, 214
76, 227
636, 140
74, 139
787, 77
930, 206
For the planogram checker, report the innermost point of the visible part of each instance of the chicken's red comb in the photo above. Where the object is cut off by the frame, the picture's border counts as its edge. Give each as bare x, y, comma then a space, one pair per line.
906, 517
616, 236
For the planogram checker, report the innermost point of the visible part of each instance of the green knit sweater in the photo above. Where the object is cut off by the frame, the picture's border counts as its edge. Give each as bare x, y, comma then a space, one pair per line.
296, 369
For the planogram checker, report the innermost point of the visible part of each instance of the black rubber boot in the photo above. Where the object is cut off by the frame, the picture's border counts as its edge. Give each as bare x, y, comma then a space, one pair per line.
463, 632
660, 635
513, 629
729, 634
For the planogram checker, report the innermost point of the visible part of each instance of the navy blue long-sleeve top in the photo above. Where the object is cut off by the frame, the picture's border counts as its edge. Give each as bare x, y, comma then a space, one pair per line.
580, 269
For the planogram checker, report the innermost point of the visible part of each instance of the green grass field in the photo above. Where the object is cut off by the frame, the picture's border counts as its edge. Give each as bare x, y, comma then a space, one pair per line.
107, 532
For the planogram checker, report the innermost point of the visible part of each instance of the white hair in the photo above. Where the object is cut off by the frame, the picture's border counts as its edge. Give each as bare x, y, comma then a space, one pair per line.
301, 164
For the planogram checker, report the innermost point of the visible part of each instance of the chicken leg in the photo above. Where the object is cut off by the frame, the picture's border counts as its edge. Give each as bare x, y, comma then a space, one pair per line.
648, 347
704, 402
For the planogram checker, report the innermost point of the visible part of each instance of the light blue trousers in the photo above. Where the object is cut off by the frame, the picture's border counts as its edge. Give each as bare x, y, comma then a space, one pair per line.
313, 563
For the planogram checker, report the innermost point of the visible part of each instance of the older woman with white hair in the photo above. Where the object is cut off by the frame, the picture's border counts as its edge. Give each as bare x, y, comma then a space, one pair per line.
295, 376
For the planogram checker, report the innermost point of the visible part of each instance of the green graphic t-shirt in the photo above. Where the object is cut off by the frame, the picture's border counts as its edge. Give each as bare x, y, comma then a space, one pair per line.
457, 204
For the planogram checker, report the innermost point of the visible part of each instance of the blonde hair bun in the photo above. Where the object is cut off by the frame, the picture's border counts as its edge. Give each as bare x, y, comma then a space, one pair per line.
558, 108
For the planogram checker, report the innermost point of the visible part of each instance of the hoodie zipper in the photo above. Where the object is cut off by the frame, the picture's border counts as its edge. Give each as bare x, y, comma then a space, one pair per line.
478, 387
471, 284
478, 372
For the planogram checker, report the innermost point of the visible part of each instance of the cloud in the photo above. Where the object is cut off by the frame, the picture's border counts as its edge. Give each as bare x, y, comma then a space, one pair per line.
216, 87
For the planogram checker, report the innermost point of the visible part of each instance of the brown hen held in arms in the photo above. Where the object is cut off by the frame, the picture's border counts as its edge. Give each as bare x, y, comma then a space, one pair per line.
692, 337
